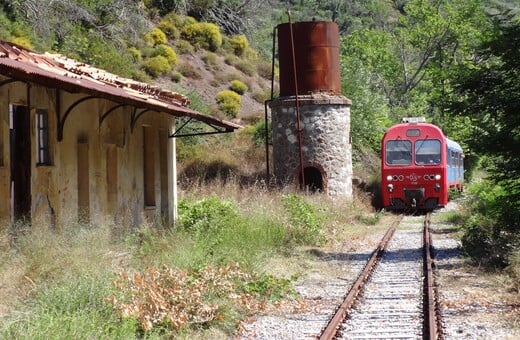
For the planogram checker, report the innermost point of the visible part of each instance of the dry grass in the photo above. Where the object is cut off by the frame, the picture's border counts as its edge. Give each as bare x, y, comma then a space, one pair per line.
46, 258
42, 256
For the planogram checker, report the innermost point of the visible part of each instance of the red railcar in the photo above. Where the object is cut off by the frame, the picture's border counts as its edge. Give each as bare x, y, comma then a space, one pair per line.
419, 165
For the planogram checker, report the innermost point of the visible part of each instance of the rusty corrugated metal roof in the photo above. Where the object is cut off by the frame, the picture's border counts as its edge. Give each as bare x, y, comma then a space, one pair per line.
58, 71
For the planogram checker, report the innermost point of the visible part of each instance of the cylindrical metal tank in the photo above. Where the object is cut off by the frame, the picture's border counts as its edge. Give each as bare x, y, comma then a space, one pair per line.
316, 51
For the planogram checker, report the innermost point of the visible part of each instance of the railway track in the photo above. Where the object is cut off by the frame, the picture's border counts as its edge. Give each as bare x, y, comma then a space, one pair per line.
394, 296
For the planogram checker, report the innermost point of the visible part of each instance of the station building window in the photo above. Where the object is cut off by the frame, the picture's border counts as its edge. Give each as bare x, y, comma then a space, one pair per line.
42, 138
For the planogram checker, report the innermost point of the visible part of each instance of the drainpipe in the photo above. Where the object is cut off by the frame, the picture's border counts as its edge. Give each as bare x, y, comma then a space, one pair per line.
267, 165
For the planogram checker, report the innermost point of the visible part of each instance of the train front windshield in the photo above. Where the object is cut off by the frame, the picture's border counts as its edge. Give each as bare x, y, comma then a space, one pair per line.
427, 152
398, 152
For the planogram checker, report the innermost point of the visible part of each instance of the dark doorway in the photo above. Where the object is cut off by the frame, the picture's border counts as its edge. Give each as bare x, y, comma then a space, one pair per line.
20, 159
313, 179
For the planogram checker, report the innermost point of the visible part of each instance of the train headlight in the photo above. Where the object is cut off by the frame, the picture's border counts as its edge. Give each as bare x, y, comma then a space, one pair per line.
437, 177
388, 178
390, 188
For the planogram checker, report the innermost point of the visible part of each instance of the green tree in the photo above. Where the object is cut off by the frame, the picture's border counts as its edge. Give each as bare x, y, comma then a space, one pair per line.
408, 59
369, 111
487, 91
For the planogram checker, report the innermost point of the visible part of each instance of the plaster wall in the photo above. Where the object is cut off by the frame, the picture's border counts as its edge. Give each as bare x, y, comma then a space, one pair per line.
54, 187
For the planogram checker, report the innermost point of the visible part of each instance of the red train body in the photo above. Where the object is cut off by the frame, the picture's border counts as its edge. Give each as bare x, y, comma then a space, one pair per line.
419, 165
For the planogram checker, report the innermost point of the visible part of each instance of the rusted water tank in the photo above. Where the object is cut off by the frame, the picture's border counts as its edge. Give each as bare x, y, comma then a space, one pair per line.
316, 51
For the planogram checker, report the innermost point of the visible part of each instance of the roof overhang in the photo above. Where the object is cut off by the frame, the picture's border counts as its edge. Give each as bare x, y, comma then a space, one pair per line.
57, 71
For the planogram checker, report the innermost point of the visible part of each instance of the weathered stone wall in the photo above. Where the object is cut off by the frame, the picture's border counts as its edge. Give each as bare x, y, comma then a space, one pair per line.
325, 125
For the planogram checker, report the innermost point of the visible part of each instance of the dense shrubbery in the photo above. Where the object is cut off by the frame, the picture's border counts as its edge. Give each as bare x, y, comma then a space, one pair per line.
490, 229
156, 37
239, 44
203, 34
305, 226
206, 215
157, 66
238, 86
167, 52
229, 102
258, 132
487, 94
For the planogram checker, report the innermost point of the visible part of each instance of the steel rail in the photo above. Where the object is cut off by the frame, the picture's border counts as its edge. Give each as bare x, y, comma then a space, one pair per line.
432, 321
330, 331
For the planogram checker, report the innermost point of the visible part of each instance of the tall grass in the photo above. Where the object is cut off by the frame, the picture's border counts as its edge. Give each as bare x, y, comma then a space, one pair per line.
74, 309
63, 280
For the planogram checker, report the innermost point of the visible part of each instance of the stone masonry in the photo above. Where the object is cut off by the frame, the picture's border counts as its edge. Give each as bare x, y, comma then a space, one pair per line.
326, 146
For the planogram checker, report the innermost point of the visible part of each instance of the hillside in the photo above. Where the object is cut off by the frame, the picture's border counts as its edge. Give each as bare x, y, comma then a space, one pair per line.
206, 80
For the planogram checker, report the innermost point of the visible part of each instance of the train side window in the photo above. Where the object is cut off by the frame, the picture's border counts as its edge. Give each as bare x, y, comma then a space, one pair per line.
427, 152
398, 152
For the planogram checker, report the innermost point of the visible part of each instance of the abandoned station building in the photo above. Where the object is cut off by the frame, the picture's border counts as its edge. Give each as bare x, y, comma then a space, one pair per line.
80, 144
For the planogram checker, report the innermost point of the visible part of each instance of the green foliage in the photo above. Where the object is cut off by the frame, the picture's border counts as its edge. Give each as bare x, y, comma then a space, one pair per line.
370, 219
197, 102
258, 133
207, 215
167, 52
205, 35
22, 41
184, 47
246, 67
176, 77
454, 194
230, 59
491, 231
135, 54
261, 95
453, 217
272, 288
75, 310
304, 224
217, 233
487, 95
229, 102
170, 29
156, 37
210, 59
369, 111
238, 86
157, 66
239, 44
